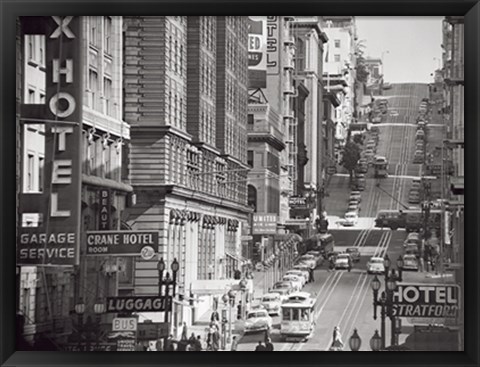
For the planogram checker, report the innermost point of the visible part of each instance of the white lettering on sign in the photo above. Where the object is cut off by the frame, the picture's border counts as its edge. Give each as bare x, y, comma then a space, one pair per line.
62, 172
62, 134
53, 238
40, 253
124, 324
54, 104
63, 23
67, 70
54, 211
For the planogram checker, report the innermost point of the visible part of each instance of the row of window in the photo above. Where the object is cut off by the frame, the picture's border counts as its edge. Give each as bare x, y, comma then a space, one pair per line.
100, 33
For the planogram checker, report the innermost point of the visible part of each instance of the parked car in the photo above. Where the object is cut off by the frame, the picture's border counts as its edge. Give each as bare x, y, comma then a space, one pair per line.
356, 196
411, 249
299, 274
284, 287
257, 320
394, 113
360, 183
354, 253
412, 237
353, 208
295, 280
351, 219
272, 303
343, 261
303, 268
308, 260
375, 265
362, 168
410, 262
380, 159
414, 198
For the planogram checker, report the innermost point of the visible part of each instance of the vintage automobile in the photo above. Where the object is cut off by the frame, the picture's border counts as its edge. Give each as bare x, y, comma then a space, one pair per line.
258, 320
354, 253
375, 265
272, 303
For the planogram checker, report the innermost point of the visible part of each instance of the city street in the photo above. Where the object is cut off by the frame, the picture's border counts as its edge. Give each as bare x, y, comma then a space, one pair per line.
345, 298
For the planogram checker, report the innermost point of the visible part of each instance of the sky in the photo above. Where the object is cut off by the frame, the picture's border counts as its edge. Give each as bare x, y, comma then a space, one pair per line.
412, 44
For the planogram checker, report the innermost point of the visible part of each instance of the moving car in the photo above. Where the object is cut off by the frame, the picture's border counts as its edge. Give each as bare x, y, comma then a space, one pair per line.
343, 261
295, 280
351, 219
380, 159
272, 303
394, 113
354, 253
410, 262
375, 265
258, 320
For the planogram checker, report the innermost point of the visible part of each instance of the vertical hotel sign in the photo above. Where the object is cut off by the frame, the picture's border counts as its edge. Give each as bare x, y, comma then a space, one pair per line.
273, 45
55, 238
257, 52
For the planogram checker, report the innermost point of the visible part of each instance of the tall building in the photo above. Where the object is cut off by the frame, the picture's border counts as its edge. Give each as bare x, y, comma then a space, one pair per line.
339, 70
186, 100
48, 294
454, 113
310, 40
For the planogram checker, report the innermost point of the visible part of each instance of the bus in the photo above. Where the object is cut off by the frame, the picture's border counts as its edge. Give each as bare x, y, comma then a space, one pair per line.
298, 316
381, 167
412, 219
322, 242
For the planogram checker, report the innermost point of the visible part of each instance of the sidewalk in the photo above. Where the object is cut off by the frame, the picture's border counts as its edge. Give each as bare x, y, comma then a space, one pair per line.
201, 326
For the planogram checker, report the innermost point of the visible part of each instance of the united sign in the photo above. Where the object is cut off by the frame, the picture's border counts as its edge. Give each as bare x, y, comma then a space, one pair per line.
426, 300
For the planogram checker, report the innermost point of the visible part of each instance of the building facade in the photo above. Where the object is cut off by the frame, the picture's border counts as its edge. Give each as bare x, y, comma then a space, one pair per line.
188, 169
454, 114
339, 74
310, 39
48, 294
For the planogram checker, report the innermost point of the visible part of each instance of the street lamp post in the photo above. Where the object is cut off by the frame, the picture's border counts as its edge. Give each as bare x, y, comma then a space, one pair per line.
386, 298
166, 284
80, 310
355, 341
99, 309
376, 342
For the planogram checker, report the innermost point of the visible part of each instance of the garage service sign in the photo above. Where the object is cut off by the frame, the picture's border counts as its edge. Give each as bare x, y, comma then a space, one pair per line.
121, 243
426, 301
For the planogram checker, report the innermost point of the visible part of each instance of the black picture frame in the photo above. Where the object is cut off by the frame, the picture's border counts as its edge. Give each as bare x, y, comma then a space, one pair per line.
10, 9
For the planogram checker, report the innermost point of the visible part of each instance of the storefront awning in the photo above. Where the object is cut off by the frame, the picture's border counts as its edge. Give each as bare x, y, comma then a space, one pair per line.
217, 286
241, 260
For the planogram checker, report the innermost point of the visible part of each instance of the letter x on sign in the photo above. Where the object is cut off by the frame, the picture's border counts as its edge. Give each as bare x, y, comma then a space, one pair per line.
63, 27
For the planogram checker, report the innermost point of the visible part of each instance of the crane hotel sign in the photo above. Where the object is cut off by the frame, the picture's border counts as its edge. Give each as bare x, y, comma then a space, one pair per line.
426, 300
53, 236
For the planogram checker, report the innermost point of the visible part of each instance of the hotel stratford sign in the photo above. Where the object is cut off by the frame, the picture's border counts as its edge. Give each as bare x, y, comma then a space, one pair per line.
54, 236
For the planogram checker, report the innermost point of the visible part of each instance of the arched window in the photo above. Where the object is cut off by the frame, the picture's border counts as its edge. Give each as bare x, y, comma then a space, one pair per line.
252, 197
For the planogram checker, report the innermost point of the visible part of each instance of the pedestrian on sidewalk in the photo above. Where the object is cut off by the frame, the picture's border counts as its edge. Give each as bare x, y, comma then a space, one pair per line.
215, 316
269, 345
184, 332
198, 344
234, 346
239, 310
260, 347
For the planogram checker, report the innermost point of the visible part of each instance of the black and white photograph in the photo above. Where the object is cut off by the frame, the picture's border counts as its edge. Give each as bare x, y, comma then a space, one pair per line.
240, 183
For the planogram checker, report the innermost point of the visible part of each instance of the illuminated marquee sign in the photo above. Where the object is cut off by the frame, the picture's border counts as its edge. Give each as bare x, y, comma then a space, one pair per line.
426, 301
55, 238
